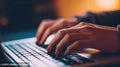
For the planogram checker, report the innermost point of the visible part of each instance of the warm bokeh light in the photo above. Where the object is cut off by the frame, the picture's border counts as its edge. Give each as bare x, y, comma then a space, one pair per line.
107, 4
68, 8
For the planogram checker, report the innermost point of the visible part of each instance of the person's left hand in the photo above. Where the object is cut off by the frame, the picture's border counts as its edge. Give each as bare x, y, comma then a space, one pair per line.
85, 35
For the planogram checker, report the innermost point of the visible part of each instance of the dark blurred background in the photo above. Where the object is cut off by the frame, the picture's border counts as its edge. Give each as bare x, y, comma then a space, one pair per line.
27, 14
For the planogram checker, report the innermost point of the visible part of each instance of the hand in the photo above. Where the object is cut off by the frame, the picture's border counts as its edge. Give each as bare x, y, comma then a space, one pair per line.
85, 35
48, 27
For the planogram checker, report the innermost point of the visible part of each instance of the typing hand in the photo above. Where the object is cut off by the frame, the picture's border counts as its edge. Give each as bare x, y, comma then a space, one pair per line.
85, 35
48, 27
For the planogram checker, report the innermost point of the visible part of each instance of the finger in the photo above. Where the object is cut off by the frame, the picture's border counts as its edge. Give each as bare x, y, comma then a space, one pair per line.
59, 35
50, 30
55, 40
40, 32
77, 46
68, 39
45, 35
58, 25
42, 28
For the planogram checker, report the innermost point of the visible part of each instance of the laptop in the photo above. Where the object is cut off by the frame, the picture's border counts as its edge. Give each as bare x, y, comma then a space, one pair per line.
25, 53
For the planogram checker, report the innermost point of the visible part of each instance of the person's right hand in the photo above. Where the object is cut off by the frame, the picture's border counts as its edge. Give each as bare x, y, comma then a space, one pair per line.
48, 27
85, 35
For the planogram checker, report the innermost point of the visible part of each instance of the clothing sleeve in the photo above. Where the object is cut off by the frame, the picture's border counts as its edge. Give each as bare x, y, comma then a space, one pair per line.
111, 18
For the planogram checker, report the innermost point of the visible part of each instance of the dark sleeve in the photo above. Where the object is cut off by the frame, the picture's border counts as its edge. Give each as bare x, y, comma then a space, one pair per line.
111, 18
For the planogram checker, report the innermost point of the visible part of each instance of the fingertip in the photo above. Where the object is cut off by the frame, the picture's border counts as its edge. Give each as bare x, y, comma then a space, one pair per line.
67, 52
41, 42
56, 53
38, 42
48, 49
37, 37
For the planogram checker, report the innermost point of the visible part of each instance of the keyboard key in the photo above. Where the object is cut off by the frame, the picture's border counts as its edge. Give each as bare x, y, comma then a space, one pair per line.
19, 49
26, 48
13, 50
24, 59
26, 55
13, 53
38, 47
35, 50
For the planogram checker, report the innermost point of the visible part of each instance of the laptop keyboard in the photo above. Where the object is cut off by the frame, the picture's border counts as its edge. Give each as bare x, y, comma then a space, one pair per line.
30, 53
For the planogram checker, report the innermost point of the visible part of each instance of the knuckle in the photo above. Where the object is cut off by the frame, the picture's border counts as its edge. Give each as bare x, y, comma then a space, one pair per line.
62, 22
44, 24
49, 30
68, 36
87, 27
43, 20
62, 32
83, 23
